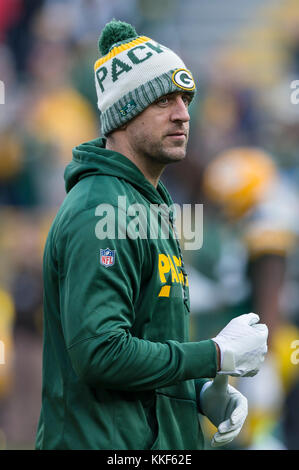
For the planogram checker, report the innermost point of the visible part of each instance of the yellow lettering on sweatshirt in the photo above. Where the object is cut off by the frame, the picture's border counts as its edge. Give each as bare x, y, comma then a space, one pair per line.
164, 266
170, 264
174, 273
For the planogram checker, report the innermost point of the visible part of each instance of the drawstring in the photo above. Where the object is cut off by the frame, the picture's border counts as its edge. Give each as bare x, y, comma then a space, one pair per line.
185, 296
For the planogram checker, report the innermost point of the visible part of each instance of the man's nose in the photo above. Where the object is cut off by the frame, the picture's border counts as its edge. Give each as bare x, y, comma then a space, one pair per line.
180, 111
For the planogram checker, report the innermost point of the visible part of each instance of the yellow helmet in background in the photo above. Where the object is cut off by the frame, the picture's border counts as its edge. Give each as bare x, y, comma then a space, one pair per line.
7, 318
238, 178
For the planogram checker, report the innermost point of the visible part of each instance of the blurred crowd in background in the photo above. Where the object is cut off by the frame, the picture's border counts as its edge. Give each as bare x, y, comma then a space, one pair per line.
242, 164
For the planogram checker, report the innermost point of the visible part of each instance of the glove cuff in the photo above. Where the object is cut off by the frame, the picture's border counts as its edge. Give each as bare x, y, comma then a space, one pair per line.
227, 357
201, 402
205, 386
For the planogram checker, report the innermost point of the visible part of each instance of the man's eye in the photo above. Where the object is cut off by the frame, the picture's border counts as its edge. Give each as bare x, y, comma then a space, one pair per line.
163, 100
186, 100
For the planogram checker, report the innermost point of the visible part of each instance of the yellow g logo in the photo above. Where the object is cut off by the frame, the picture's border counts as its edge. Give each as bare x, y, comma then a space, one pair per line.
183, 79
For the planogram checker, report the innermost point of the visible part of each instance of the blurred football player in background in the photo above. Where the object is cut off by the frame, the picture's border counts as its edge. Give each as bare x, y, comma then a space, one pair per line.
250, 233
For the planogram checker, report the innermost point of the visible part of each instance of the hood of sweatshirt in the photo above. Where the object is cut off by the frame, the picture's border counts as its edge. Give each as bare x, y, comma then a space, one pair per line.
92, 158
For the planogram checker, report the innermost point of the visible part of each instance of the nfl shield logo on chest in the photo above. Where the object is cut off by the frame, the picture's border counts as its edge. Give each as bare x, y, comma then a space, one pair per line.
107, 257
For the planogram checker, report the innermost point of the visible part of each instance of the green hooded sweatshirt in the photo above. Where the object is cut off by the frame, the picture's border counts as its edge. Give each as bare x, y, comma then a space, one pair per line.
119, 371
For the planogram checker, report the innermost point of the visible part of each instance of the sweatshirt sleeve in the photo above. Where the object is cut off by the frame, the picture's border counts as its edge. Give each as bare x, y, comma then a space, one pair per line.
97, 314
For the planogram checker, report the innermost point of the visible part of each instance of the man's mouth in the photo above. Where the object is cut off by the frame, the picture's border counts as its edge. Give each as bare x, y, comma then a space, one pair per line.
177, 135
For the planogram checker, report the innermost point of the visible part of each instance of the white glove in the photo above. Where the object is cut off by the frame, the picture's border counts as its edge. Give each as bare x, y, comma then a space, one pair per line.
243, 345
225, 407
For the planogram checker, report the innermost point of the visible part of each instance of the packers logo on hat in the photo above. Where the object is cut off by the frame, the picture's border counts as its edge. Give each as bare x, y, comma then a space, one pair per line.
183, 79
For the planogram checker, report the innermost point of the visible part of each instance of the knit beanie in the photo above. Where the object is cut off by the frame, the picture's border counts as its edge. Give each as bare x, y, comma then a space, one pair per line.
133, 72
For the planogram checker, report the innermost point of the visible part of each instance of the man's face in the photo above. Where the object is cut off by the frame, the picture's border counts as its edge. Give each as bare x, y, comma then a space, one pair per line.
161, 131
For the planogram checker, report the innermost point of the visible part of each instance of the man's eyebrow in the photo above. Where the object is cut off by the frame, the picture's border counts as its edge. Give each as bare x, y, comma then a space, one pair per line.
175, 93
164, 96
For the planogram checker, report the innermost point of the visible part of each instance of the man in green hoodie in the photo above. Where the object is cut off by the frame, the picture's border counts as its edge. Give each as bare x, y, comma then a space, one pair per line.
119, 371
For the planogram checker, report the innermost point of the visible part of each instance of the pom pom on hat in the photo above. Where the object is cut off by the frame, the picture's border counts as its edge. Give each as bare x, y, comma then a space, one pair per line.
114, 32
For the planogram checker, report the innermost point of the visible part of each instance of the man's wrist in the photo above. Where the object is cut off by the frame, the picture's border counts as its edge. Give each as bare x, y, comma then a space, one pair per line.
218, 357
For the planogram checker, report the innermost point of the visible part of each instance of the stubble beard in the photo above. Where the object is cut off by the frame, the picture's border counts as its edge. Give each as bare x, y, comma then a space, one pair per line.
161, 151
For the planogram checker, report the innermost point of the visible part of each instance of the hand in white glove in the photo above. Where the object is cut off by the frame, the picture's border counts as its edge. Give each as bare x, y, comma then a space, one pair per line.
225, 407
243, 345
